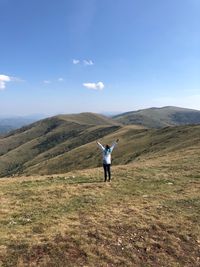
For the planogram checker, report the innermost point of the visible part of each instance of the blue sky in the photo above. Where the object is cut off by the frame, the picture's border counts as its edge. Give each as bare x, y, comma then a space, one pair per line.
70, 56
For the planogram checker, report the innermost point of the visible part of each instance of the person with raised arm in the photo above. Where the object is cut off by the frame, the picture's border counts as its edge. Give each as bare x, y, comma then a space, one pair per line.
106, 152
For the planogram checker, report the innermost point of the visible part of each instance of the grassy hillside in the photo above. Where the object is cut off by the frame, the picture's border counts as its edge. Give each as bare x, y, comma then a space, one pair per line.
135, 144
160, 117
49, 138
149, 215
56, 145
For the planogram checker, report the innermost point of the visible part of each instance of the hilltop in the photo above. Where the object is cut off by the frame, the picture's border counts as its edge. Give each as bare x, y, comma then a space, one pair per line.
160, 117
87, 118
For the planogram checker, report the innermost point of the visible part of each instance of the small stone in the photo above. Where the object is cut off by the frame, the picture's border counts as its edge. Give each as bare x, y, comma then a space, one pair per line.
187, 238
12, 222
147, 249
119, 242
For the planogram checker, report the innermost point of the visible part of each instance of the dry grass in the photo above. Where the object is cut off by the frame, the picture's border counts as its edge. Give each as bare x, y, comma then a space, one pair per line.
147, 216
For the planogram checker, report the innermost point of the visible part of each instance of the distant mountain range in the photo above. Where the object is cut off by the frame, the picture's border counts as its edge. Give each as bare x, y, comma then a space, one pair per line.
150, 118
68, 142
11, 123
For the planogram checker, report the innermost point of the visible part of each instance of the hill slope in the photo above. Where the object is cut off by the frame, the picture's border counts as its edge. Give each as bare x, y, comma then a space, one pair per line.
58, 145
135, 144
49, 138
160, 117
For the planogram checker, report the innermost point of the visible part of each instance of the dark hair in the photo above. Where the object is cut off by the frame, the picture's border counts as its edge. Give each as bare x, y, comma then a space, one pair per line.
107, 147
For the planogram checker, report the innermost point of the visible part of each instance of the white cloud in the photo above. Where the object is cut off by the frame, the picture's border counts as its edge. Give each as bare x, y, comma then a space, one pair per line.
3, 80
94, 86
84, 62
46, 82
88, 62
61, 80
76, 61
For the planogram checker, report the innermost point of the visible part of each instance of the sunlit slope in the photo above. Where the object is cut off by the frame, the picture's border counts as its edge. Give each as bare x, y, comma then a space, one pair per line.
49, 138
160, 117
135, 144
88, 118
68, 142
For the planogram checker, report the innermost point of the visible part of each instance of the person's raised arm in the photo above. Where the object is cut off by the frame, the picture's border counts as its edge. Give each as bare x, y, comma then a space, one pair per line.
100, 145
114, 144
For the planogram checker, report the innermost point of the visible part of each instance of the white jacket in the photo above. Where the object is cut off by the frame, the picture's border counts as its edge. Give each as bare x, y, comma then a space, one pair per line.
107, 153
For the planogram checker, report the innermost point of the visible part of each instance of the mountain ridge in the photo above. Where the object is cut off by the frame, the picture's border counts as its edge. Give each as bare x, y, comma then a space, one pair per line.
160, 117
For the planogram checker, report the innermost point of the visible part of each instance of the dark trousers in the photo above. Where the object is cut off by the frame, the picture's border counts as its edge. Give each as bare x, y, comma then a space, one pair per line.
107, 172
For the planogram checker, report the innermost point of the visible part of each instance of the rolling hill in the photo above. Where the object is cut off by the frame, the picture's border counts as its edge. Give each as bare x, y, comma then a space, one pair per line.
68, 142
135, 144
50, 138
160, 117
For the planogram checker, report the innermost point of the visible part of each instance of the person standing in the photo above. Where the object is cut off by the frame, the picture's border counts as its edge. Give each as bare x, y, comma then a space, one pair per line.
107, 151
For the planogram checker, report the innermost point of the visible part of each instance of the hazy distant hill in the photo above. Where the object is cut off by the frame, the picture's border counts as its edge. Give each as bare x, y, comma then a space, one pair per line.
12, 123
67, 142
160, 117
5, 129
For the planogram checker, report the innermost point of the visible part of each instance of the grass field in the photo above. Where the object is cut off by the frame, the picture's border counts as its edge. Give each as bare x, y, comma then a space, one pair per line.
149, 215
